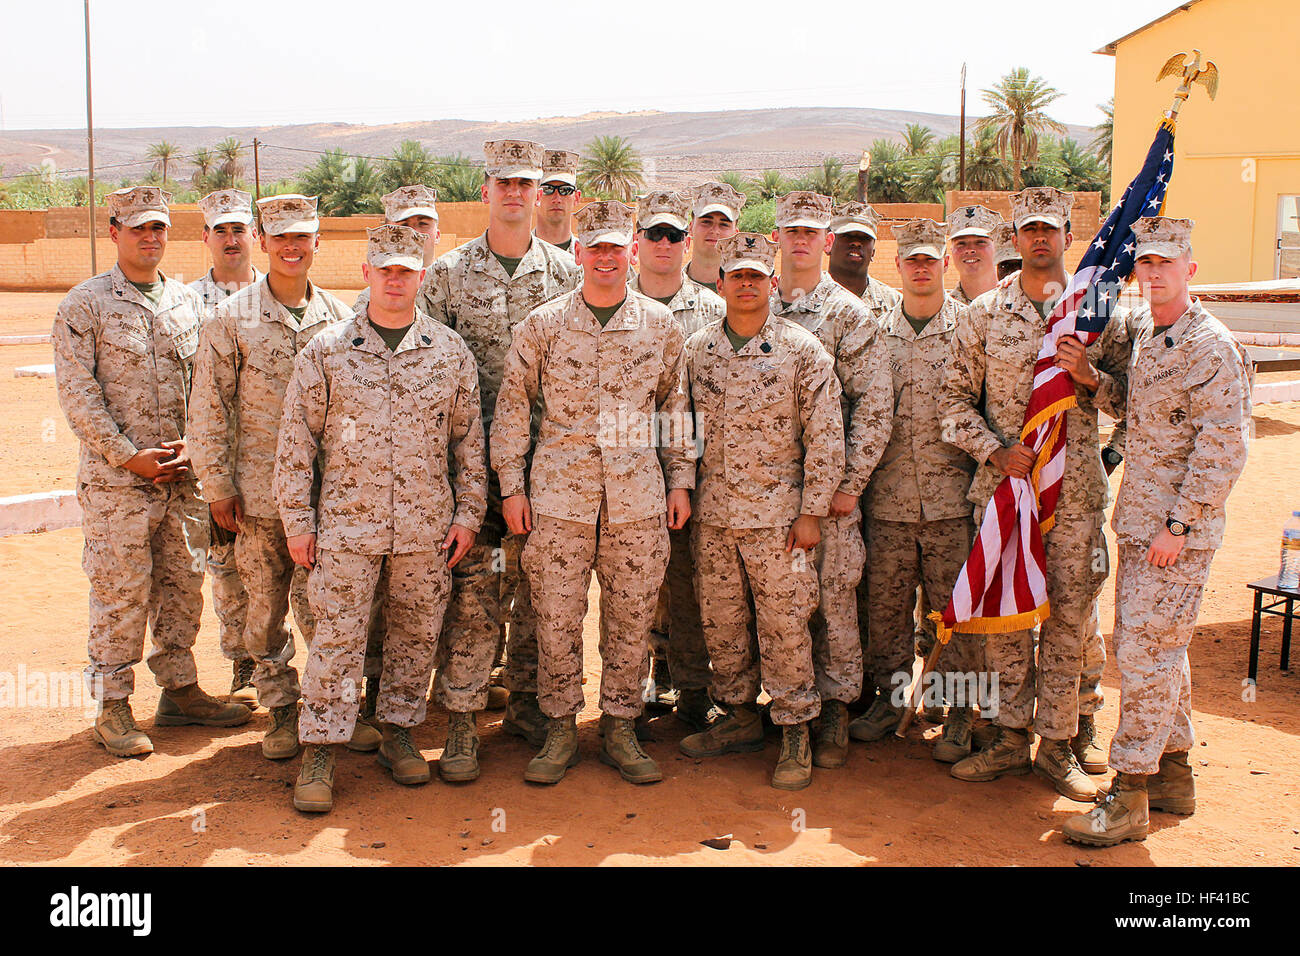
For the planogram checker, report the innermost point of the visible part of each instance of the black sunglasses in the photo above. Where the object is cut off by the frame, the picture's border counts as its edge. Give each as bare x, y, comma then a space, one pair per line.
550, 189
659, 233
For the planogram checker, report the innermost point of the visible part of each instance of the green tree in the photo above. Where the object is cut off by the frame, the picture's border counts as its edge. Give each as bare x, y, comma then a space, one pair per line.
769, 184
458, 179
409, 164
204, 161
985, 167
611, 169
346, 185
1103, 144
1019, 102
229, 164
888, 178
163, 154
830, 179
917, 139
758, 217
739, 183
933, 172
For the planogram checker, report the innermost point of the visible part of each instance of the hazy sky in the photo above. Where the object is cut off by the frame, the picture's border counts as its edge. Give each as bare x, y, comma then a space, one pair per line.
263, 63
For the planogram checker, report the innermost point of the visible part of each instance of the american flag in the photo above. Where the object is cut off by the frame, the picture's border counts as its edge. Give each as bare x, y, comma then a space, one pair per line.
1003, 584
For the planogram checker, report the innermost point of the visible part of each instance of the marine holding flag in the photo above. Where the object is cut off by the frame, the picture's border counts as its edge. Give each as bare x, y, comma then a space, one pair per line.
1040, 554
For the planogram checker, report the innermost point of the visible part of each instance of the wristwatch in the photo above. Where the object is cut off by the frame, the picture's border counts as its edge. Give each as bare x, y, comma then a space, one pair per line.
1177, 528
1111, 456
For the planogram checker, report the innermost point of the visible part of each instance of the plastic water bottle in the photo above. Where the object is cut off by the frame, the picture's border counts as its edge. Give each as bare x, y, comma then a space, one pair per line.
1288, 576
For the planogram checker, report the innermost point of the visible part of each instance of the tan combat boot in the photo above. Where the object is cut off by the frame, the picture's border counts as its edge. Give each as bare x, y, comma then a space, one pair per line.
983, 733
242, 690
694, 708
830, 747
878, 722
1009, 753
1121, 816
498, 696
524, 718
1091, 757
459, 760
558, 754
365, 738
399, 755
1172, 788
1056, 761
955, 742
281, 741
314, 791
189, 705
622, 750
115, 728
794, 765
740, 731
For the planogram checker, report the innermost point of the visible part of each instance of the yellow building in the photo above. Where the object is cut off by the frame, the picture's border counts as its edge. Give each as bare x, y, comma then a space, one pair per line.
1237, 159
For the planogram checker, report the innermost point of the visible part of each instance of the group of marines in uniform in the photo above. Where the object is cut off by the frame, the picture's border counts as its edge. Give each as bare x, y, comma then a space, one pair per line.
774, 473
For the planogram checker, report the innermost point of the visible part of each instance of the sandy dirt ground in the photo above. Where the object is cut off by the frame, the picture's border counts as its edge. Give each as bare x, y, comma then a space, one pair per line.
208, 796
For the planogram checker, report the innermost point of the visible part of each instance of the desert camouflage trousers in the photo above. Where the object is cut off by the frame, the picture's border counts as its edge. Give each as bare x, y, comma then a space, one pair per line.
143, 556
836, 639
343, 588
629, 560
1155, 615
229, 599
272, 582
902, 555
490, 603
730, 566
1077, 567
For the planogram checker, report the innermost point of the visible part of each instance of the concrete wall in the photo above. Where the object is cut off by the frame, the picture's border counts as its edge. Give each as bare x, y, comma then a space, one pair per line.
1233, 156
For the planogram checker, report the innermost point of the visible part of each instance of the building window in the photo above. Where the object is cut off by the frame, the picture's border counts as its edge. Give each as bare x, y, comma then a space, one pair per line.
1288, 238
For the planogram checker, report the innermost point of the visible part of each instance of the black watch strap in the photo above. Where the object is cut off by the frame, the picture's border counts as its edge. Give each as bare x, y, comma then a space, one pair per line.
1176, 527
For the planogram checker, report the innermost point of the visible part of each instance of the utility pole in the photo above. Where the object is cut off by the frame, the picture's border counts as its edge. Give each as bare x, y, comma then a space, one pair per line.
90, 152
864, 167
961, 168
257, 171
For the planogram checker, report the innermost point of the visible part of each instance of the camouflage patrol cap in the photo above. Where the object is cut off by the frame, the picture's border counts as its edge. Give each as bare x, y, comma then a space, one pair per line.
407, 201
1041, 204
290, 212
226, 205
136, 205
718, 197
513, 158
1004, 243
664, 207
394, 245
854, 217
803, 207
920, 237
747, 250
1163, 236
560, 166
604, 221
972, 221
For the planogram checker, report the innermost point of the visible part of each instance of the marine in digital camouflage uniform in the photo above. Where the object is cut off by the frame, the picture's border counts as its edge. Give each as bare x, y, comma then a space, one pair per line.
918, 521
245, 358
771, 433
387, 402
610, 473
850, 333
680, 665
124, 345
557, 197
970, 241
854, 226
482, 291
993, 353
715, 215
228, 232
414, 206
1188, 432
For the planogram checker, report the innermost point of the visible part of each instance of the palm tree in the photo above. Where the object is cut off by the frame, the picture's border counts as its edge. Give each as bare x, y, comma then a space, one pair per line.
739, 183
917, 139
889, 177
830, 179
611, 168
409, 164
231, 167
933, 171
204, 160
163, 153
769, 184
1018, 117
458, 178
985, 167
345, 184
1105, 130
